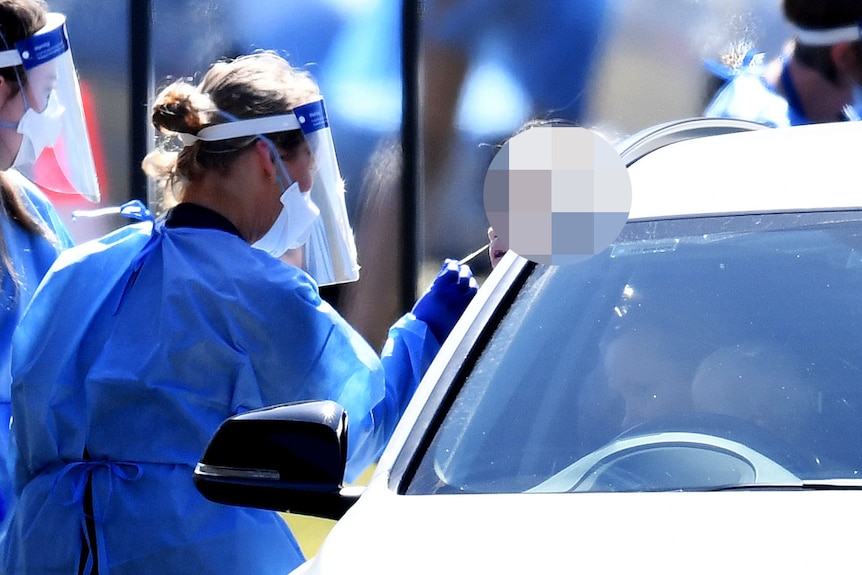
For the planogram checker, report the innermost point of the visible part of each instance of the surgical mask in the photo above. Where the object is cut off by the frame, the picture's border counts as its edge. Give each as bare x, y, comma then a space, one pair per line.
293, 224
40, 130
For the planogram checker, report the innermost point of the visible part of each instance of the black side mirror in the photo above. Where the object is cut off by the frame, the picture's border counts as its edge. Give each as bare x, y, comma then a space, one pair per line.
287, 458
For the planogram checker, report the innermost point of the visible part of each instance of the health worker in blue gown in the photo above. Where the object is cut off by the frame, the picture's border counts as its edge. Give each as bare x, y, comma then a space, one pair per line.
40, 106
144, 341
817, 80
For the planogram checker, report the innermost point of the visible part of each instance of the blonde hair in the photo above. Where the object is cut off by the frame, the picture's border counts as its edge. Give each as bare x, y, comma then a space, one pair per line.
250, 86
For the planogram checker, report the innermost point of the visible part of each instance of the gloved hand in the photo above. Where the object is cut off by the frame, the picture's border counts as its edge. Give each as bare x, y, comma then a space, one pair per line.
446, 298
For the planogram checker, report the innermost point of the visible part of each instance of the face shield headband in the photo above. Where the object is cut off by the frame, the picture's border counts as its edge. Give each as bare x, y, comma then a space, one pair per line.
62, 159
329, 253
829, 36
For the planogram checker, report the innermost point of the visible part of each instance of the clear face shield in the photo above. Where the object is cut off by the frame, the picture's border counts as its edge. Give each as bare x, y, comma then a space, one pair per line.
312, 221
330, 252
55, 151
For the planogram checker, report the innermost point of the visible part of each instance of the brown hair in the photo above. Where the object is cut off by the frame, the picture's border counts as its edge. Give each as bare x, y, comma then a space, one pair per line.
19, 19
250, 86
822, 14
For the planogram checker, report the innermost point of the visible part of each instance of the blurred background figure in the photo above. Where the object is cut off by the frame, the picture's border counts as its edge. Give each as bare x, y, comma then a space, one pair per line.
816, 79
371, 304
488, 66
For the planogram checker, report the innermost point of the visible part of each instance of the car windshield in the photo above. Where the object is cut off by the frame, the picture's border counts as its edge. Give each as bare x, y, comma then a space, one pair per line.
692, 354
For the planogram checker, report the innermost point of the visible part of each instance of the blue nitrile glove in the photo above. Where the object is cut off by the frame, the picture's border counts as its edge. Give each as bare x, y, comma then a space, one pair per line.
446, 298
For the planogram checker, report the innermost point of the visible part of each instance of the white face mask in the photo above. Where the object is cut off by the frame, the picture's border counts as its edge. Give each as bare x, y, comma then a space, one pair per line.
293, 224
40, 130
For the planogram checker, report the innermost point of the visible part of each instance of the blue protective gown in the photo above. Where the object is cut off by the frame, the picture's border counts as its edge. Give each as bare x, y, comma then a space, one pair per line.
144, 342
406, 356
31, 255
748, 96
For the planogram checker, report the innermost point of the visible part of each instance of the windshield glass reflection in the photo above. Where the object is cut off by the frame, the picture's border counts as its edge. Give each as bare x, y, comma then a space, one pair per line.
726, 342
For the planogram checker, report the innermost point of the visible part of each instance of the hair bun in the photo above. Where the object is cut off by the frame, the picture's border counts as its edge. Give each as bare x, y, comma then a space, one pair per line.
180, 108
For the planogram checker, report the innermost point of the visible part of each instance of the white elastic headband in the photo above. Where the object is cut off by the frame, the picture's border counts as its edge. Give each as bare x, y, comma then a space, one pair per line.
829, 36
9, 58
240, 128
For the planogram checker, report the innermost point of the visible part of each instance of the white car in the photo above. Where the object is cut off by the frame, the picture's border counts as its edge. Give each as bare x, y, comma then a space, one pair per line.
687, 401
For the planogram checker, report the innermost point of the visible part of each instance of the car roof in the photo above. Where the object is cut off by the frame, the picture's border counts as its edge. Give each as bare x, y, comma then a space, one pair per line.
749, 170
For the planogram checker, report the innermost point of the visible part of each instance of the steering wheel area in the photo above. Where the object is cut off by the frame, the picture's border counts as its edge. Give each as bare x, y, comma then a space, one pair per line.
693, 452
